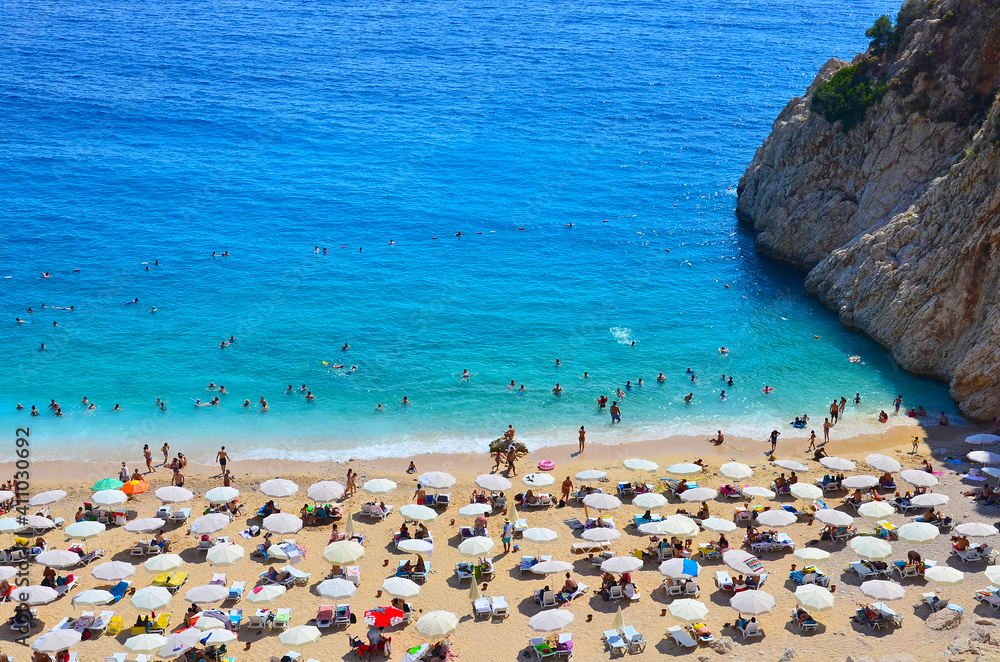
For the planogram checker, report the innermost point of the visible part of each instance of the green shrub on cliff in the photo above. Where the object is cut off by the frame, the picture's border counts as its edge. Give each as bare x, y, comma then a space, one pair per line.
846, 97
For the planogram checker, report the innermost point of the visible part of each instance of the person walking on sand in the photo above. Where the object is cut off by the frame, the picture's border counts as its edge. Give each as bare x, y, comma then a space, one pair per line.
812, 441
567, 487
223, 458
227, 479
774, 440
826, 430
148, 454
916, 445
508, 533
583, 438
511, 461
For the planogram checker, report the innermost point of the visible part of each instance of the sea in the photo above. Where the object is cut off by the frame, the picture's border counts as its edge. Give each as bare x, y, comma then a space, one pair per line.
441, 186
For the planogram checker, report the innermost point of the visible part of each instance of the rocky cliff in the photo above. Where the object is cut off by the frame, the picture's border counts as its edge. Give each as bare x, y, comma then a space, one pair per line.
898, 217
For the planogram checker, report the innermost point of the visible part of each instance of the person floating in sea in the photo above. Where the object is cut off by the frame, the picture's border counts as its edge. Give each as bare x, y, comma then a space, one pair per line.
303, 388
586, 375
730, 381
465, 375
42, 348
766, 389
722, 396
345, 347
223, 344
693, 377
379, 408
723, 350
211, 386
20, 321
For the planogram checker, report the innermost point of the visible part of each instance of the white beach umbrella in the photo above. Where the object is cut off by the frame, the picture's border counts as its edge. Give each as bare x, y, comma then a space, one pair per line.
985, 457
337, 588
45, 498
791, 465
300, 635
113, 571
173, 494
163, 563
680, 525
436, 624
35, 522
109, 497
56, 641
538, 480
539, 535
145, 643
494, 483
475, 509
211, 523
343, 552
145, 525
806, 491
415, 546
7, 572
437, 480
93, 597
282, 524
601, 535
736, 471
942, 574
84, 530
684, 469
551, 567
264, 594
834, 517
918, 532
621, 564
58, 558
976, 529
221, 494
219, 636
34, 595
811, 554
918, 478
752, 602
400, 587
6, 495
551, 620
880, 589
637, 464
418, 513
599, 501
279, 488
207, 593
976, 439
837, 464
742, 562
10, 524
718, 525
687, 610
211, 620
993, 573
680, 568
698, 494
649, 500
475, 546
325, 491
776, 518
754, 491
876, 510
881, 462
814, 597
930, 499
861, 481
150, 598
225, 554
874, 549
591, 474
989, 471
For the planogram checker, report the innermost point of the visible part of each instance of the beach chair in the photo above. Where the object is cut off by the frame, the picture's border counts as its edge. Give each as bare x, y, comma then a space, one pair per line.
282, 617
236, 591
258, 619
751, 630
421, 575
118, 590
180, 516
165, 512
160, 625
546, 599
691, 589
343, 615
286, 582
863, 571
625, 490
161, 579
706, 639
581, 590
615, 592
466, 532
843, 533
482, 608
541, 648
291, 655
235, 619
634, 639
681, 637
806, 625
139, 549
614, 642
465, 570
967, 556
932, 601
68, 586
324, 617
219, 579
177, 580
499, 607
723, 581
520, 526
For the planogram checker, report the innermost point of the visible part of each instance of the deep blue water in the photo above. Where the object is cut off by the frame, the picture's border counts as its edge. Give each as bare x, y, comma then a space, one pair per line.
134, 132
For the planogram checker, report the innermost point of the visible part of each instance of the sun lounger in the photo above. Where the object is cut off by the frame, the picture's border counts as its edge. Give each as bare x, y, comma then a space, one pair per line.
324, 617
932, 601
723, 581
68, 586
342, 615
161, 624
140, 549
681, 637
751, 630
546, 599
615, 592
218, 579
541, 648
588, 547
863, 571
844, 533
499, 608
177, 580
634, 639
614, 642
581, 590
481, 607
968, 555
806, 625
282, 617
236, 591
258, 619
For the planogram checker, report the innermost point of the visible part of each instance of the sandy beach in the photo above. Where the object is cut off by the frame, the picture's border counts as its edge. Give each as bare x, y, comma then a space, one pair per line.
835, 638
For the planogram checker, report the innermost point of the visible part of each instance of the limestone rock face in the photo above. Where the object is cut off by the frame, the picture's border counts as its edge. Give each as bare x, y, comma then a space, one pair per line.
899, 218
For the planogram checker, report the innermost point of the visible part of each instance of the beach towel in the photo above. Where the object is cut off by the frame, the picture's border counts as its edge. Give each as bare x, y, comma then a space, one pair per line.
574, 524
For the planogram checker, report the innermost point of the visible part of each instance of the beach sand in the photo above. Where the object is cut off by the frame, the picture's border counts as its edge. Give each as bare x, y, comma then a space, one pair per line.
484, 639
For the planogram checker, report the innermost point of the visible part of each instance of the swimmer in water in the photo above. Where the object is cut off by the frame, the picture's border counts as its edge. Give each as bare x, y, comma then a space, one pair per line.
345, 347
223, 344
263, 403
116, 407
152, 310
30, 310
55, 323
693, 376
392, 243
20, 321
521, 390
730, 381
767, 389
687, 398
557, 390
316, 249
722, 395
19, 406
558, 362
512, 384
619, 393
661, 378
338, 365
379, 408
45, 274
92, 407
639, 383
246, 403
33, 412
633, 343
222, 389
688, 371
42, 348
288, 390
309, 395
465, 375
458, 234
586, 375
628, 385
211, 386
353, 369
303, 388
84, 401
58, 412
723, 350
232, 338
406, 401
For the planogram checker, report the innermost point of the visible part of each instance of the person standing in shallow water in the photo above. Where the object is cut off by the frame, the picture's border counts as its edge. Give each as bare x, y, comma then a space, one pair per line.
583, 438
616, 414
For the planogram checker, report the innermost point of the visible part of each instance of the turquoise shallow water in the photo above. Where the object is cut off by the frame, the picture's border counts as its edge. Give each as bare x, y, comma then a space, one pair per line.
135, 132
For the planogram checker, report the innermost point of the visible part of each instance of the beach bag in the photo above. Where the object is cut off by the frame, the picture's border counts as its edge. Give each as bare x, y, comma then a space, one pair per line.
354, 618
254, 530
562, 503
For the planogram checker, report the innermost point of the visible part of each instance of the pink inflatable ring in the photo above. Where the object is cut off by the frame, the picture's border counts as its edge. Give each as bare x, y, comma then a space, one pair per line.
546, 465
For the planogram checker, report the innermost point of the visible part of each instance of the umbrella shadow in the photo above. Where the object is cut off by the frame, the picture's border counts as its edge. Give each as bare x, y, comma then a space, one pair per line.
666, 646
793, 627
599, 604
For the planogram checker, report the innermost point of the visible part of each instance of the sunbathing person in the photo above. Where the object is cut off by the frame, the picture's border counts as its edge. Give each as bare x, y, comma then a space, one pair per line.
857, 499
886, 480
421, 532
819, 454
961, 543
419, 566
875, 496
930, 516
703, 512
275, 576
701, 630
802, 616
780, 483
